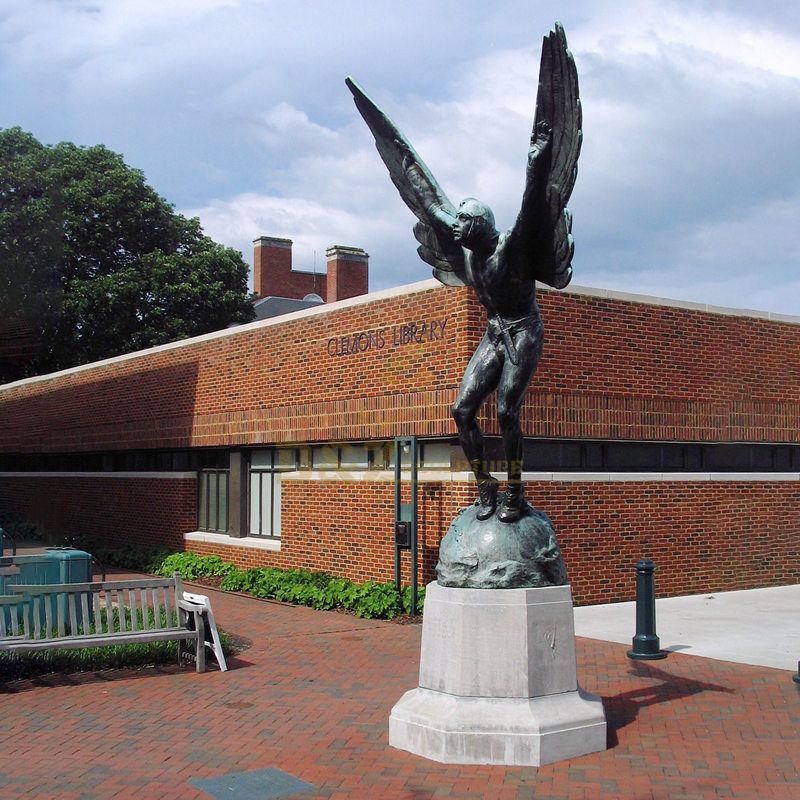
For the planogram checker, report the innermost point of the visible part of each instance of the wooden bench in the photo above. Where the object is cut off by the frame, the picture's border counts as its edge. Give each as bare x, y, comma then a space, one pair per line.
78, 615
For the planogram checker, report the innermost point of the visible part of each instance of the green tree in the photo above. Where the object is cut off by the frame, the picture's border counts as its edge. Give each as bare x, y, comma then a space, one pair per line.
98, 263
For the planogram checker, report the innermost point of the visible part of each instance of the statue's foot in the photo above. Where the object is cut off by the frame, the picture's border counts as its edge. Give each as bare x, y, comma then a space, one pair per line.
487, 498
511, 507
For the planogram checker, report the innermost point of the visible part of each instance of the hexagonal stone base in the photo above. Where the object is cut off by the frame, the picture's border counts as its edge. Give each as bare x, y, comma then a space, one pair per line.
498, 681
498, 642
511, 731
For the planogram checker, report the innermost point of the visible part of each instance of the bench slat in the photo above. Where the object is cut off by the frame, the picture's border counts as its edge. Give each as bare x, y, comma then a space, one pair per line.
156, 608
109, 614
145, 615
85, 619
134, 614
28, 618
98, 640
73, 613
98, 620
60, 615
37, 617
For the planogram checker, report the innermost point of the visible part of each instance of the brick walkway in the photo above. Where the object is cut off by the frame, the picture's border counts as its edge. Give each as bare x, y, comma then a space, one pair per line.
312, 697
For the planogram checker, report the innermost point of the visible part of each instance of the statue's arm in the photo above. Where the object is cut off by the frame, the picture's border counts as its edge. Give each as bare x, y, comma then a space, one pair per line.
524, 234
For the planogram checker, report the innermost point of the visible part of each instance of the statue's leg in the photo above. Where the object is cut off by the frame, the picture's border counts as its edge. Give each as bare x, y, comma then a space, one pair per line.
511, 390
480, 379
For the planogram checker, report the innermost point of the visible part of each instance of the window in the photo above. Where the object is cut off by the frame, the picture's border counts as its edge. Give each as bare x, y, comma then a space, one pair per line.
354, 456
436, 455
265, 490
325, 457
212, 500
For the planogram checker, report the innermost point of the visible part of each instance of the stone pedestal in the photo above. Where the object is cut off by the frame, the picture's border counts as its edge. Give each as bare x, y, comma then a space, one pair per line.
498, 682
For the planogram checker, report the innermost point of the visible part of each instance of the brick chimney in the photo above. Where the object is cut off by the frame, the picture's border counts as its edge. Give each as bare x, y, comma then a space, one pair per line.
348, 272
272, 266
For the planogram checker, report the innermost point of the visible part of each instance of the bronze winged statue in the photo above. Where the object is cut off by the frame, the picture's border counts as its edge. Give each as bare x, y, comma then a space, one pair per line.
464, 248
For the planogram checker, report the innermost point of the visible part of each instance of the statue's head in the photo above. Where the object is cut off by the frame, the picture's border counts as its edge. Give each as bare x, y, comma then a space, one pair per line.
474, 226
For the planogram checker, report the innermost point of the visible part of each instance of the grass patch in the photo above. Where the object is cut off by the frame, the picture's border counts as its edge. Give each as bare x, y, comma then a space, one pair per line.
16, 666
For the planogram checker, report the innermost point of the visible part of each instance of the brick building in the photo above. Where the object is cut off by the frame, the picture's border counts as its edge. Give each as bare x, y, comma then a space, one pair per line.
655, 427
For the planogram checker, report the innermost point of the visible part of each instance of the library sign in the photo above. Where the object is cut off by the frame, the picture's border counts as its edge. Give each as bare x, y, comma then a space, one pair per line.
391, 337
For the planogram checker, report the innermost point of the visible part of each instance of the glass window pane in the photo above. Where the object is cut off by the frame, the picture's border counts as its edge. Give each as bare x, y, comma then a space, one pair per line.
202, 502
436, 454
354, 456
212, 505
261, 459
266, 504
286, 458
326, 457
255, 503
223, 501
276, 505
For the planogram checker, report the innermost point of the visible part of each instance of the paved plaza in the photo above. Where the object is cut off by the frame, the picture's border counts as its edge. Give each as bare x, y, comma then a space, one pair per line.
303, 713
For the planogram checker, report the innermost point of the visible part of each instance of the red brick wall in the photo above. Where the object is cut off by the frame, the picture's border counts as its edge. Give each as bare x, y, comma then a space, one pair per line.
346, 278
704, 537
293, 381
614, 369
154, 512
273, 275
298, 284
610, 369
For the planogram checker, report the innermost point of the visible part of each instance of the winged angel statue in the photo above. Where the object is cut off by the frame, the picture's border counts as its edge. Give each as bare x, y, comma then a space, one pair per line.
464, 248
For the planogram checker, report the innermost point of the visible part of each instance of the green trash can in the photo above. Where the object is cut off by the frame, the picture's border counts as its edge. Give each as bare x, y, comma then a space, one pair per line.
70, 565
56, 565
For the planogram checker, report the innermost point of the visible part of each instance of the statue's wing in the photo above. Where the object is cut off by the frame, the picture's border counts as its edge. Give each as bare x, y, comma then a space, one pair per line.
419, 190
543, 230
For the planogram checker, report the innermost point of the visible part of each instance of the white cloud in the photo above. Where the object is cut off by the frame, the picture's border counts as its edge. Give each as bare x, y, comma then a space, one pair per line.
688, 181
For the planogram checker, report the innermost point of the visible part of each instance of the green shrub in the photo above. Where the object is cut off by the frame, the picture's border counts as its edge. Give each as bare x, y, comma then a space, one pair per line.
300, 586
406, 600
377, 600
191, 566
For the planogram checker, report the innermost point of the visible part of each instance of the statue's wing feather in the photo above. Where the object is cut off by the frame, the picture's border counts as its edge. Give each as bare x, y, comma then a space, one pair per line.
543, 231
419, 190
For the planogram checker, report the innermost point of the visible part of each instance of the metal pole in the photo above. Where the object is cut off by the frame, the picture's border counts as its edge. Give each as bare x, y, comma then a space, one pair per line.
646, 645
397, 457
414, 464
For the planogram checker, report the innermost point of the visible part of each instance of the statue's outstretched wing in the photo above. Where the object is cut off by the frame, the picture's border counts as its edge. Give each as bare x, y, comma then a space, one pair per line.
419, 190
542, 234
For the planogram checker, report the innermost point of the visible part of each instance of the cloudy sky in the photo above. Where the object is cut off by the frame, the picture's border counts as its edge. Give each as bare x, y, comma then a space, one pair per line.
237, 112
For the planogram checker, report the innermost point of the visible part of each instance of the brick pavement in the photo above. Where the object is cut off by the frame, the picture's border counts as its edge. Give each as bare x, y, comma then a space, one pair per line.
312, 697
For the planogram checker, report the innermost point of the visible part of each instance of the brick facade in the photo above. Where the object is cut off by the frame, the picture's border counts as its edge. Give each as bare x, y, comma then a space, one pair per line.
147, 511
390, 364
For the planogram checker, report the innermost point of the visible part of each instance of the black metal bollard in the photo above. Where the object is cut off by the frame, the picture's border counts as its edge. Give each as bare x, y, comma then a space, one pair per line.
646, 645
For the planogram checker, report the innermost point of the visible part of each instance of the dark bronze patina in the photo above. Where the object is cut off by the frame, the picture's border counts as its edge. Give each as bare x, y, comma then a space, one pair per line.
464, 248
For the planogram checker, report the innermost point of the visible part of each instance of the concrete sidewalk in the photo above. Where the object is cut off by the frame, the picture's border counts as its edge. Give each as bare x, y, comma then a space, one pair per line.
756, 626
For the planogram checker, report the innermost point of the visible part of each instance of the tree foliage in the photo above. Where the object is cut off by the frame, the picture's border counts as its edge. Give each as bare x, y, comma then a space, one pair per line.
98, 263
